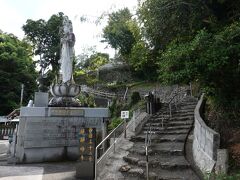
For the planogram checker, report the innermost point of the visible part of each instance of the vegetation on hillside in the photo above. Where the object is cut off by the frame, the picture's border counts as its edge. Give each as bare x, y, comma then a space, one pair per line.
87, 64
187, 41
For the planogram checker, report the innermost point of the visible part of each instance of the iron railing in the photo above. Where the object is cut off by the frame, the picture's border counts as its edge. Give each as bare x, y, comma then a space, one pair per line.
117, 134
176, 97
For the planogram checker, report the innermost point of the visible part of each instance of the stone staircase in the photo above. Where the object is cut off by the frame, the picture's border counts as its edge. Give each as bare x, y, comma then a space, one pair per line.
166, 151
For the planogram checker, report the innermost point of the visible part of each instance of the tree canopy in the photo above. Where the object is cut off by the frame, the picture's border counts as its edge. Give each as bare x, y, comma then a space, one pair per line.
118, 31
16, 68
45, 37
167, 20
179, 41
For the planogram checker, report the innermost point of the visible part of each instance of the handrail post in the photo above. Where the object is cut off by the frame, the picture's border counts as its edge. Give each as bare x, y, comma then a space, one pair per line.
134, 120
147, 169
114, 143
125, 128
162, 120
190, 84
170, 110
96, 163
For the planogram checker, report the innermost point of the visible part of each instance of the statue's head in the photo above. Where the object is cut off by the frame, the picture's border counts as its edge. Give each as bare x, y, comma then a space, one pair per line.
67, 25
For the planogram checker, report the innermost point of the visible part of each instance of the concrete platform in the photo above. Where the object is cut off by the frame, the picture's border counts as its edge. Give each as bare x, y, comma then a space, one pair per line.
43, 171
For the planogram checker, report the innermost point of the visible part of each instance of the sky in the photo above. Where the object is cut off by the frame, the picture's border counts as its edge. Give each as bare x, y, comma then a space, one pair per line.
14, 13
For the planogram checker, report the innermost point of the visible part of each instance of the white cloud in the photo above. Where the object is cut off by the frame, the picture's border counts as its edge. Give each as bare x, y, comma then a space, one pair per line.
10, 20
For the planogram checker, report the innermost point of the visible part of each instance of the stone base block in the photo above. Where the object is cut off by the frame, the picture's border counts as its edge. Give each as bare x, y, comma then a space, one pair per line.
85, 170
52, 134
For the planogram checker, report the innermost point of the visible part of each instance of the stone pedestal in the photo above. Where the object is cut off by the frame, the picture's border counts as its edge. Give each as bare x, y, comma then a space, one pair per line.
85, 170
222, 161
50, 133
41, 99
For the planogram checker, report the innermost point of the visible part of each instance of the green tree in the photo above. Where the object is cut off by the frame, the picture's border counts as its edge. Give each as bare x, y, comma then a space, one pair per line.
212, 59
118, 31
124, 34
95, 61
16, 68
87, 66
226, 11
44, 37
167, 20
142, 61
91, 62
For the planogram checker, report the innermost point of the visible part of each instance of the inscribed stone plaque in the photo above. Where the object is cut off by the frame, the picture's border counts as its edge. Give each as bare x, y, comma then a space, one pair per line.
66, 112
87, 143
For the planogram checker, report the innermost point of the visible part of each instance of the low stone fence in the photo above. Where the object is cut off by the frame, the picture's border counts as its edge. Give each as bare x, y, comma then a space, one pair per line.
205, 143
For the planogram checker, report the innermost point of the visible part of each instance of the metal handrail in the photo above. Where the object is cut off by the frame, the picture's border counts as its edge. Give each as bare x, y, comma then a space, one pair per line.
147, 144
112, 133
102, 143
177, 94
125, 94
100, 93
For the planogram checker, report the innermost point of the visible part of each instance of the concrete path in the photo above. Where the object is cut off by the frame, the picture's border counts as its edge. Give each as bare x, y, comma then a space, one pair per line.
3, 150
41, 171
110, 171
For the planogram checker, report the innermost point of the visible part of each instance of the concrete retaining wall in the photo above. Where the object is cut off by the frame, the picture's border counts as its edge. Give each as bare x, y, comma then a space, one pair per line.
205, 143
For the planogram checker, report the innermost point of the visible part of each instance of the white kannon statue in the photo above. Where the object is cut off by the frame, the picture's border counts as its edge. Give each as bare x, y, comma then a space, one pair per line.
67, 51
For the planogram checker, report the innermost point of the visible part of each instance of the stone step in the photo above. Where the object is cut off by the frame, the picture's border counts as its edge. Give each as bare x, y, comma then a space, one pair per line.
181, 118
158, 173
170, 148
158, 139
170, 131
185, 124
174, 118
179, 123
159, 118
178, 107
179, 174
174, 114
189, 101
165, 162
184, 110
131, 171
182, 113
165, 128
169, 123
187, 106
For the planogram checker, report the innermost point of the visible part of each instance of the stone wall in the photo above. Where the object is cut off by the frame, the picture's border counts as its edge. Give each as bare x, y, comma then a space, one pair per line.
205, 143
51, 133
118, 74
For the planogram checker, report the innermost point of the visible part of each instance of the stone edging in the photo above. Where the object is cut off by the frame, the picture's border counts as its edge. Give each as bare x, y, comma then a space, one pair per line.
205, 142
